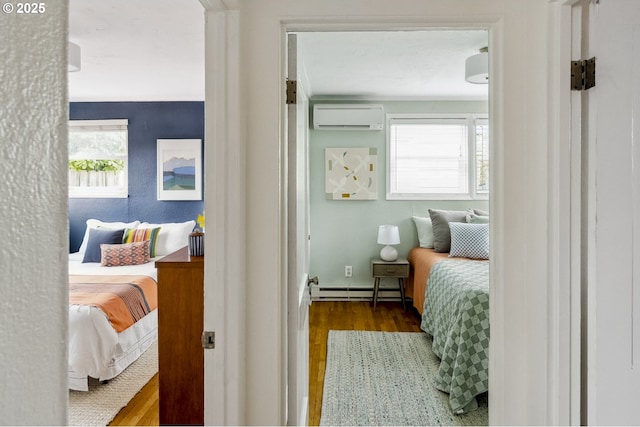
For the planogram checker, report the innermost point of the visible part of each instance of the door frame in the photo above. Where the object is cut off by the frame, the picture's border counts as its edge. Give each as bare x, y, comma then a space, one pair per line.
493, 28
571, 217
225, 204
512, 398
565, 222
297, 232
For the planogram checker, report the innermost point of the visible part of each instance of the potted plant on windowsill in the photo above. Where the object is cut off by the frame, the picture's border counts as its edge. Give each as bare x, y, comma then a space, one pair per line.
94, 173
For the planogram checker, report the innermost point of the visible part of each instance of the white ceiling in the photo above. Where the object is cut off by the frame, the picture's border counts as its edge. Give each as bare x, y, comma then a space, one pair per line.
392, 64
153, 50
142, 50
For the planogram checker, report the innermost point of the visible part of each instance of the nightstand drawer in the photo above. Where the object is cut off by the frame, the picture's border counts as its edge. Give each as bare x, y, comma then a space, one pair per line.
390, 270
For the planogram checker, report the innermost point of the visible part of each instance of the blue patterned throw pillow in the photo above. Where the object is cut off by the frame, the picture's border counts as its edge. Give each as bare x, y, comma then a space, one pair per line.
469, 240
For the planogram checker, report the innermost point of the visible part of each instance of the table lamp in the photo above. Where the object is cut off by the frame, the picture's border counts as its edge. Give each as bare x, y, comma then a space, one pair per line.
388, 235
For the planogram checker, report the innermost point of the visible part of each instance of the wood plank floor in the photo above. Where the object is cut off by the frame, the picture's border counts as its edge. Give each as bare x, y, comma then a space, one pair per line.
359, 316
142, 410
323, 316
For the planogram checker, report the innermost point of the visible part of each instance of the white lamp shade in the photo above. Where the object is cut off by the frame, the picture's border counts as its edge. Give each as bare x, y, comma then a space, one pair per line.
388, 235
476, 68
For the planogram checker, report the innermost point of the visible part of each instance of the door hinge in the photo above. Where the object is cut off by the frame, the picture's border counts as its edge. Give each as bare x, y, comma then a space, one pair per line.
583, 74
311, 281
209, 339
292, 87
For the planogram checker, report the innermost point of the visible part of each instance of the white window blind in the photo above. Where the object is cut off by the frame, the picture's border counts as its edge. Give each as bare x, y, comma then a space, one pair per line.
436, 157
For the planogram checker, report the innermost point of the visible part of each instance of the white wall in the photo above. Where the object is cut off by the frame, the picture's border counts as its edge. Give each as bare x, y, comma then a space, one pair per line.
519, 379
33, 217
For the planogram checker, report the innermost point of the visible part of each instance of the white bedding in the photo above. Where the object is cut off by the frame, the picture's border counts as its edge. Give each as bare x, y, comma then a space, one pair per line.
95, 348
77, 267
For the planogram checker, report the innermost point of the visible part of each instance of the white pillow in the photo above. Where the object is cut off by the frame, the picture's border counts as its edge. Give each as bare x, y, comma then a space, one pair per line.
469, 240
172, 235
96, 223
425, 231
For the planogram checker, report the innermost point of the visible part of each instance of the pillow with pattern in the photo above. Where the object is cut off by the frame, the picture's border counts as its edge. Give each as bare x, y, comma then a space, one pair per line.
125, 254
469, 240
140, 235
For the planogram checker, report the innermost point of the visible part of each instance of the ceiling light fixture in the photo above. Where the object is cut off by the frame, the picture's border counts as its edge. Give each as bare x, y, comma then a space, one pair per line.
476, 67
74, 58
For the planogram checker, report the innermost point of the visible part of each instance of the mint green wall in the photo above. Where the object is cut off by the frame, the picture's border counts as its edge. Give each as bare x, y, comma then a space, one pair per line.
345, 232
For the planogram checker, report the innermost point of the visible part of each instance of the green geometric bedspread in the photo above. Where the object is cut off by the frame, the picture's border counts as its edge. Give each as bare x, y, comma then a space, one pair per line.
456, 314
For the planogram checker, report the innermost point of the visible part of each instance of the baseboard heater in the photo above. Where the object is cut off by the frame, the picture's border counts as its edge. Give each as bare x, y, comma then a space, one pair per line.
353, 294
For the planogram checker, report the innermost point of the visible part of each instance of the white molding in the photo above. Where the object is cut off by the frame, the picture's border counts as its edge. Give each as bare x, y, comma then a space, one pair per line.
563, 255
357, 294
220, 5
225, 207
496, 230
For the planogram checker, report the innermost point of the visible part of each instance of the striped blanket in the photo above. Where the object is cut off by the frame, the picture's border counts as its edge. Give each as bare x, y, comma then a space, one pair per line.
124, 299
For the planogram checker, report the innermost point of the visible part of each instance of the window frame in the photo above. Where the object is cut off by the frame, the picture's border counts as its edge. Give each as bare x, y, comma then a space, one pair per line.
102, 192
480, 120
468, 118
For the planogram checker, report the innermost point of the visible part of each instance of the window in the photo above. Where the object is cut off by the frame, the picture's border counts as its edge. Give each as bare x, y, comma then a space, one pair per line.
482, 156
98, 158
437, 157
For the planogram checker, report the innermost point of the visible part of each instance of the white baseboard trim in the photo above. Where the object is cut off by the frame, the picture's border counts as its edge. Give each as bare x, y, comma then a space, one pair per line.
346, 293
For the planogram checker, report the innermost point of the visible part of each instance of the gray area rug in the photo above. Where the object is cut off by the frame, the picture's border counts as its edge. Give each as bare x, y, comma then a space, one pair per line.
385, 378
100, 405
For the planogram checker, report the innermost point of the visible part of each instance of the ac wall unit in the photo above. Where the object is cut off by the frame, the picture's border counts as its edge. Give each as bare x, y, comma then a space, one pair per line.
348, 117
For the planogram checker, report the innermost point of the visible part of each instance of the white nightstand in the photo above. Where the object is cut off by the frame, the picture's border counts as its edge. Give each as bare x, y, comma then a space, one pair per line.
398, 269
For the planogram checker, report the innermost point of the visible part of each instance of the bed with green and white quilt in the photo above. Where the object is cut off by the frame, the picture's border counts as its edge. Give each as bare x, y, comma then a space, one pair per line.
456, 314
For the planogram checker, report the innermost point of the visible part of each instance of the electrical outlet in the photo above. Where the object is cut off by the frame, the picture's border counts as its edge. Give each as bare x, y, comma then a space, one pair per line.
348, 271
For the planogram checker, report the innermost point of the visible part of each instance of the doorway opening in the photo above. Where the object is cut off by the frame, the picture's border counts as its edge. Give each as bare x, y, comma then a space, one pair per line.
131, 71
416, 76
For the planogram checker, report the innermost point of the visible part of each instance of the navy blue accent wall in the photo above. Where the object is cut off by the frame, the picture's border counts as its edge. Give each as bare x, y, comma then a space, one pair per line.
148, 122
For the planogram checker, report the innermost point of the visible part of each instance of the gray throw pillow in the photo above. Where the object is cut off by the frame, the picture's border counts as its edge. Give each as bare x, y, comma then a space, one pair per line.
440, 220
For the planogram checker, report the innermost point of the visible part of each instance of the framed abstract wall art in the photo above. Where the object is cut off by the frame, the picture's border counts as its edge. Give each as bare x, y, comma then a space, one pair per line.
179, 169
350, 173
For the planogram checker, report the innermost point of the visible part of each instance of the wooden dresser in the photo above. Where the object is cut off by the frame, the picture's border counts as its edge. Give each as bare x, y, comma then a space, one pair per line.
180, 324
